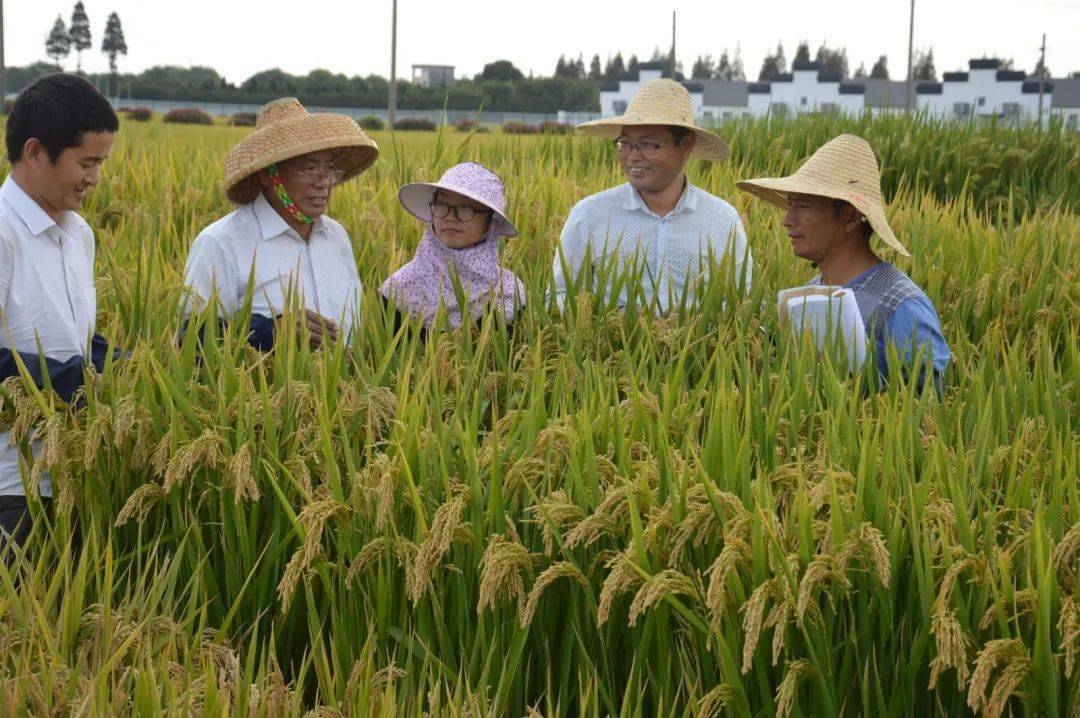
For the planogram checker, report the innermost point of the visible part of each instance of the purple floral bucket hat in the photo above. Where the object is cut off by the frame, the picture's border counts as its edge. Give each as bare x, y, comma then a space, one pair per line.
470, 179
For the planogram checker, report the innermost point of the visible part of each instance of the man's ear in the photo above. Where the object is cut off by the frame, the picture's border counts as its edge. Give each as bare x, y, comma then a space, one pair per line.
33, 151
689, 141
264, 179
852, 219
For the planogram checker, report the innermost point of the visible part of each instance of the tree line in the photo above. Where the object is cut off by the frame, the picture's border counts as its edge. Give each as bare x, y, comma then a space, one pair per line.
500, 87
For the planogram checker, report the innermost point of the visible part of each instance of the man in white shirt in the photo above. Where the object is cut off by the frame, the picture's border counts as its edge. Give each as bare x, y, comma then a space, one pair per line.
279, 237
657, 223
59, 132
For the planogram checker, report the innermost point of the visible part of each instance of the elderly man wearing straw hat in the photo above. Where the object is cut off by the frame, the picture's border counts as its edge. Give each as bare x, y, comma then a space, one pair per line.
834, 206
278, 244
657, 218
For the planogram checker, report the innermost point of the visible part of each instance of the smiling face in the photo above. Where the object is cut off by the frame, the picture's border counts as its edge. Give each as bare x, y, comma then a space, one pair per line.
651, 170
309, 180
63, 184
458, 233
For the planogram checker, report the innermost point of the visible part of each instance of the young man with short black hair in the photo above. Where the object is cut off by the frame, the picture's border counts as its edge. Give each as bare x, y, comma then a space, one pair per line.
657, 217
59, 132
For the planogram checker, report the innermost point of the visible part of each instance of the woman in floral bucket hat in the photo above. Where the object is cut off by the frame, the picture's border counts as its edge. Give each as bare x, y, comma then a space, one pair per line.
464, 215
278, 244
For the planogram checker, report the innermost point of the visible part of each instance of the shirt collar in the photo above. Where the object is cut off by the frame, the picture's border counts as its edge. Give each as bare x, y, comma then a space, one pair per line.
29, 211
272, 224
866, 274
688, 200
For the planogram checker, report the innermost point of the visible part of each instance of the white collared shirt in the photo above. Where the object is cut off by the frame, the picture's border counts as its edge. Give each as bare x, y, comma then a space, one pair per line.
673, 249
322, 270
47, 298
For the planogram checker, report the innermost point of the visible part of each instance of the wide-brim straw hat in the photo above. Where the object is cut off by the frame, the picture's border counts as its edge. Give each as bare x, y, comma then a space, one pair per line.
283, 130
468, 179
843, 168
661, 102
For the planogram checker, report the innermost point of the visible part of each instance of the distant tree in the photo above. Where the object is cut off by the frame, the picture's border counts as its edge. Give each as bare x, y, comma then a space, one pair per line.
723, 67
832, 60
802, 53
880, 70
113, 44
570, 69
1007, 64
738, 72
860, 71
703, 66
614, 68
658, 56
58, 44
632, 65
320, 81
1074, 75
774, 64
79, 33
594, 68
270, 82
923, 69
501, 70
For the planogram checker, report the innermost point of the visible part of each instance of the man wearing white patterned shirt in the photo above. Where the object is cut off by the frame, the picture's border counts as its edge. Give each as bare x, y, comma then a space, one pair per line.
279, 237
657, 221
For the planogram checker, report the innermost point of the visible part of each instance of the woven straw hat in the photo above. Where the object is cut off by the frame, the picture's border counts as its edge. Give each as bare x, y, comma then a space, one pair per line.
843, 168
661, 102
284, 129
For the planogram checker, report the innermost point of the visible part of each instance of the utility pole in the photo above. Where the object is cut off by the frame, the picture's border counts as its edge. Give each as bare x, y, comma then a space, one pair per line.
1042, 77
910, 54
393, 67
671, 69
3, 92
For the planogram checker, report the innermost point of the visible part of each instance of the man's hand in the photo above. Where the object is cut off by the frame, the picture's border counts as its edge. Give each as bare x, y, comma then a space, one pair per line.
321, 330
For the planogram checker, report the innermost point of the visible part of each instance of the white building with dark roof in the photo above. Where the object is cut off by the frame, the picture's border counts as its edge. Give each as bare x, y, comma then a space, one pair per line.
615, 95
433, 75
985, 90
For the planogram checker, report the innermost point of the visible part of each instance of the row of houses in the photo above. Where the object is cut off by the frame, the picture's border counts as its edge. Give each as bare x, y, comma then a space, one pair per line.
985, 90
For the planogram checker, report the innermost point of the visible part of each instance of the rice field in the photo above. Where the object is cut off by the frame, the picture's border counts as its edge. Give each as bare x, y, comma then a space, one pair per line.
601, 514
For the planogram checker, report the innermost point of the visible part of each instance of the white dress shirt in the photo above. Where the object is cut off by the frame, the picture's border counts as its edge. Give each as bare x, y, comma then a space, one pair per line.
322, 270
47, 297
674, 250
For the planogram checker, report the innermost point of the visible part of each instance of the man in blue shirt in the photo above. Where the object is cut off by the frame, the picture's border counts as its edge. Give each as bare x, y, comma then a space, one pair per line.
834, 206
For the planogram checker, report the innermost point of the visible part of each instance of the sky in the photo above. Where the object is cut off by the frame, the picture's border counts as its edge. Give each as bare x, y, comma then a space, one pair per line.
239, 39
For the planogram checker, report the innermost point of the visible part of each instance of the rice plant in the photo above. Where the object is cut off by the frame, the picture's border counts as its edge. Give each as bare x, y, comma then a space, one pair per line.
601, 514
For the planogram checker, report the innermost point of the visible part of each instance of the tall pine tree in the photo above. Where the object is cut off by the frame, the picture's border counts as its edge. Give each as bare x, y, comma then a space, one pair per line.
880, 70
703, 67
923, 69
614, 68
58, 44
802, 52
79, 33
737, 72
113, 44
594, 68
